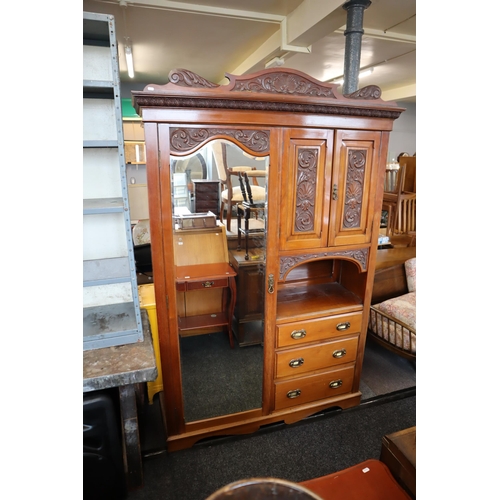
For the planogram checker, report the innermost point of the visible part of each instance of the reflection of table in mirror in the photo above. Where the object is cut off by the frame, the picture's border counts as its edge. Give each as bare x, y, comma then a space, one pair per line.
249, 311
206, 277
205, 282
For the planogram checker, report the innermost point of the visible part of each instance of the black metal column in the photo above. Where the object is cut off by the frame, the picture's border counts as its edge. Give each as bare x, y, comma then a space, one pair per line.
353, 33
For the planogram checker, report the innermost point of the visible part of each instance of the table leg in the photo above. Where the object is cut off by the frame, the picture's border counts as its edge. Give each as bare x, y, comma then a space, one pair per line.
131, 440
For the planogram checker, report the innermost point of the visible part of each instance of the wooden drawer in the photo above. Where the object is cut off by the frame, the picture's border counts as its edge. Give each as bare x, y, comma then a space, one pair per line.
186, 286
296, 362
294, 334
320, 386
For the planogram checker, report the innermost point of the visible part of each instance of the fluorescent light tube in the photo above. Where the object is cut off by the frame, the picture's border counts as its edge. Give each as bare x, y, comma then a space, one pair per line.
130, 61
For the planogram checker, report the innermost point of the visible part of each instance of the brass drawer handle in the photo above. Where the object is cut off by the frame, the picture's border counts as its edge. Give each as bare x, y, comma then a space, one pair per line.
298, 334
295, 363
343, 326
294, 394
208, 284
335, 384
339, 353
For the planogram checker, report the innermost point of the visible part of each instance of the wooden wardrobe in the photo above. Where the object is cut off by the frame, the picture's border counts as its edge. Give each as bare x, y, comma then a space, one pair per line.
327, 155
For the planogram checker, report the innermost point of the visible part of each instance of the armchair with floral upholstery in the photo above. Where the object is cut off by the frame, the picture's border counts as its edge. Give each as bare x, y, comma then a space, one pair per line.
393, 322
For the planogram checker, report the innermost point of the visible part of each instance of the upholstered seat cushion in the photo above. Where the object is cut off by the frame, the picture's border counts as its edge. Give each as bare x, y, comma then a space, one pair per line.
402, 310
258, 194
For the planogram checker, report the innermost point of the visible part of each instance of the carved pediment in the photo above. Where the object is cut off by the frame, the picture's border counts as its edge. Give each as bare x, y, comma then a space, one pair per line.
281, 82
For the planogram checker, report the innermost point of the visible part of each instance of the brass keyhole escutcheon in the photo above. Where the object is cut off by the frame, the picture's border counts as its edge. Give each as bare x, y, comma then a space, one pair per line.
270, 283
208, 284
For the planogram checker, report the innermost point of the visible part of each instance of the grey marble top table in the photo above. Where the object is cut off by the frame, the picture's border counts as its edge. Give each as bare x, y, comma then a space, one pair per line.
120, 365
123, 367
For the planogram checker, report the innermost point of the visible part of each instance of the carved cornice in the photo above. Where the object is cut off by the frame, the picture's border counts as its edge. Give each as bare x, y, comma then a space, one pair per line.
158, 100
186, 139
359, 256
272, 90
356, 166
282, 82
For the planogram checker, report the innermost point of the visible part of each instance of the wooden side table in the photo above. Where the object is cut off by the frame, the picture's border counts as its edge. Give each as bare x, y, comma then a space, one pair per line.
208, 277
399, 454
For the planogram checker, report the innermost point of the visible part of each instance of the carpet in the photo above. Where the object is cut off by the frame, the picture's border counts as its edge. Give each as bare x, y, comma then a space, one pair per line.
311, 448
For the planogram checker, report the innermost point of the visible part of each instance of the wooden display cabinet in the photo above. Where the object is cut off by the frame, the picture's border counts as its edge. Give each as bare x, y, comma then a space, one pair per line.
325, 180
206, 195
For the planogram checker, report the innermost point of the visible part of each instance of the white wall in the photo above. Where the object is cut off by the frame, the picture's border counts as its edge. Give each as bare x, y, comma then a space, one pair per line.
403, 137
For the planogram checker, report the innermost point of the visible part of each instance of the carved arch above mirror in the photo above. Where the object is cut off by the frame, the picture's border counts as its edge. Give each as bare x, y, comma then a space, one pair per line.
185, 140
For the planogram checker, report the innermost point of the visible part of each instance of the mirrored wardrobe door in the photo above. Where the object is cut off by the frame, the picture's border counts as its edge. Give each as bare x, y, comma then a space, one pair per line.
220, 257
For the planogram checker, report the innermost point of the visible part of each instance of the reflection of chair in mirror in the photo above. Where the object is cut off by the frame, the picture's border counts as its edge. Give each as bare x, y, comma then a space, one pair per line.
232, 195
400, 202
247, 207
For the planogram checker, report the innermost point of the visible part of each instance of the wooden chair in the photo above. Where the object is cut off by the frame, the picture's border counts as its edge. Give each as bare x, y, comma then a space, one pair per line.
400, 202
231, 195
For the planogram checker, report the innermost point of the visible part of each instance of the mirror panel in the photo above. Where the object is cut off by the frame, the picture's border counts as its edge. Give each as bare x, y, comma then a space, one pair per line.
217, 378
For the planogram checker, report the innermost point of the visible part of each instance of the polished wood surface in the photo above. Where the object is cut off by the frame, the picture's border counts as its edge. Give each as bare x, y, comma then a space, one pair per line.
295, 362
393, 256
399, 453
205, 282
390, 275
325, 187
299, 390
325, 328
368, 480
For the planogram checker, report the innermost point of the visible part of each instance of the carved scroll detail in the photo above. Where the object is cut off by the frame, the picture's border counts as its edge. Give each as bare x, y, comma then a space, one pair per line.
369, 92
283, 82
356, 164
186, 78
307, 163
185, 139
287, 263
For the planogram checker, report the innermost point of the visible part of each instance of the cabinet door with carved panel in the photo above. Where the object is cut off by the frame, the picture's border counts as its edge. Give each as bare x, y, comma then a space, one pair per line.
354, 184
305, 188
